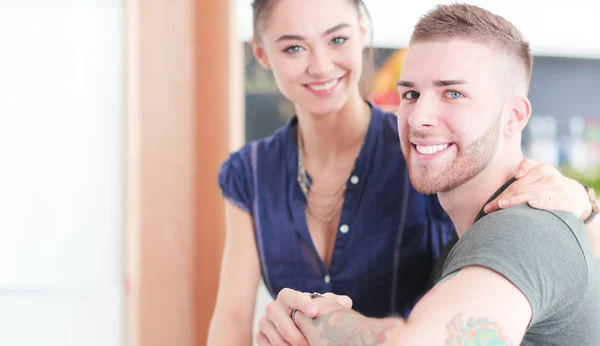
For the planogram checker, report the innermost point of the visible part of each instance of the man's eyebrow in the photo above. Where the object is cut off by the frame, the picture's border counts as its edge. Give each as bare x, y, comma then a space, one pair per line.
437, 83
405, 84
300, 37
448, 82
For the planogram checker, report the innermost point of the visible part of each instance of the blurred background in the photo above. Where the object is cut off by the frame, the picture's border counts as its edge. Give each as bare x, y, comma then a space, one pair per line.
116, 114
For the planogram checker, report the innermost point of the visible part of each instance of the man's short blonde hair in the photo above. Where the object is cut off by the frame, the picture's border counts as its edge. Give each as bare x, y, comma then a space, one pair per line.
462, 21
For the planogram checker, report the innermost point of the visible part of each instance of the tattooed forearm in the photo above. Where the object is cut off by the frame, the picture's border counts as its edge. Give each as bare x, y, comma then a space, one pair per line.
475, 331
344, 327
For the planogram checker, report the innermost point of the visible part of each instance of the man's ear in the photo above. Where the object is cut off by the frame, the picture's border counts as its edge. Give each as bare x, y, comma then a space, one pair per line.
519, 112
260, 55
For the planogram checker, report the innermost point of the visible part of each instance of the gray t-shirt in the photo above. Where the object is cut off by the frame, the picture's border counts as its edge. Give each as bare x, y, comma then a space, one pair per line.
547, 255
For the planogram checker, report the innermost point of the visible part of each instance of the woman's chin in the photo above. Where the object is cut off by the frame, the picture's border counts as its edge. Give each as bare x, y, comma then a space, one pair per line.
326, 106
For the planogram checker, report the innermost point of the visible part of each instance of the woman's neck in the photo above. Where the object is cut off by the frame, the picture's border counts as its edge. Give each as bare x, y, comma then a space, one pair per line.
325, 137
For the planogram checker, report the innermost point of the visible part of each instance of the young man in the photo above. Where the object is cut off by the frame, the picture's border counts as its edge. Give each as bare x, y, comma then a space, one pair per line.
516, 276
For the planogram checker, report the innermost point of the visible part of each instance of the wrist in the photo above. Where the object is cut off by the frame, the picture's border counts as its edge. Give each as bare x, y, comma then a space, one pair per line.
592, 207
587, 212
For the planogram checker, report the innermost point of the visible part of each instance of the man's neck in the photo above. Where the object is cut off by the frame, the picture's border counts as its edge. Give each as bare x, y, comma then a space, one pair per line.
464, 203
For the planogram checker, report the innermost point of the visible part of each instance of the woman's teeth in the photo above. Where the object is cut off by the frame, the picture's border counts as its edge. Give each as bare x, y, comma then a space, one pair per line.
324, 86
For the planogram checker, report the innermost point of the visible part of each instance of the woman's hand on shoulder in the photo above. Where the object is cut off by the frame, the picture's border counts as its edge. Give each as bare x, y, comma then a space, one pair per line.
542, 186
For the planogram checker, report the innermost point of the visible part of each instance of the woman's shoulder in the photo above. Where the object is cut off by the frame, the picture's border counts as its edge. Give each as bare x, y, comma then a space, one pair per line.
276, 143
237, 173
385, 135
388, 120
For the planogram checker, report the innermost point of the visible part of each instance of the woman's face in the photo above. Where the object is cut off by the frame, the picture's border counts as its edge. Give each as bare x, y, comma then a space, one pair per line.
314, 49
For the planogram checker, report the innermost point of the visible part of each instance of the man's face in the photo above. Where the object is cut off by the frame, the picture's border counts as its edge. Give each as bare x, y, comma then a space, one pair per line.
449, 116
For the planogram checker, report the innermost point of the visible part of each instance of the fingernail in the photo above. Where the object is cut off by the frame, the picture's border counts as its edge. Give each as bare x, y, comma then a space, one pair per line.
503, 203
312, 310
487, 209
532, 202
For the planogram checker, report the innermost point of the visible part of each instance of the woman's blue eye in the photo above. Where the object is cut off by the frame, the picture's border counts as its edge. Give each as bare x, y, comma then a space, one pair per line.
338, 40
293, 49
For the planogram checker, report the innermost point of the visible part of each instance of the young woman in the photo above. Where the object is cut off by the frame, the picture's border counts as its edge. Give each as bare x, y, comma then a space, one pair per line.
325, 203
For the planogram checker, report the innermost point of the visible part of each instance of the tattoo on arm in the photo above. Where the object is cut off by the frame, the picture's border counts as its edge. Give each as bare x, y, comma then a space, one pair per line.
344, 327
475, 331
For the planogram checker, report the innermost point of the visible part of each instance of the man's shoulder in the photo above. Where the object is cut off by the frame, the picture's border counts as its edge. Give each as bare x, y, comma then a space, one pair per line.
525, 217
540, 252
517, 231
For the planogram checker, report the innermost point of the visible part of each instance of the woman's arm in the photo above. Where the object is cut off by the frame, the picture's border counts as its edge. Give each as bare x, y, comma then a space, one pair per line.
231, 323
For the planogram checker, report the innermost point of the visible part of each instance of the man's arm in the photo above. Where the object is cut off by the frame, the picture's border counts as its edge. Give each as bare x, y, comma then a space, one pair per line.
338, 325
476, 305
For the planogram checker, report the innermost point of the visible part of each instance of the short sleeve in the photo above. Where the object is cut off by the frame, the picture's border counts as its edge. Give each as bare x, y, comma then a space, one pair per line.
538, 251
235, 179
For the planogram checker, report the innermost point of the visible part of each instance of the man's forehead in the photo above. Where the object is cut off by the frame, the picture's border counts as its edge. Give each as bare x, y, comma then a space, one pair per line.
427, 62
451, 52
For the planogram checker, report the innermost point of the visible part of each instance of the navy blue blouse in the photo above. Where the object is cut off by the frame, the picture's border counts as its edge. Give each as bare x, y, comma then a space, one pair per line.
388, 238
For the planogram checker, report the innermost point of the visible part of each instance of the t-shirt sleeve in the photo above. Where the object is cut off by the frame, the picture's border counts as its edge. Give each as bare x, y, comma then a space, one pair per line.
537, 250
236, 179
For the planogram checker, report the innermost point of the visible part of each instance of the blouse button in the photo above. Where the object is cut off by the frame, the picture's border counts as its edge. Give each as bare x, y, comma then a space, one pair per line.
327, 279
354, 179
344, 229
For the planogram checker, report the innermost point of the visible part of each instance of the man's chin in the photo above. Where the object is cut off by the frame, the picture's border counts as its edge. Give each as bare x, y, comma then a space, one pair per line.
425, 189
425, 186
428, 184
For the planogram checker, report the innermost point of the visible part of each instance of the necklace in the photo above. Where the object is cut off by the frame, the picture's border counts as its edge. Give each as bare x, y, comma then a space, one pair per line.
322, 205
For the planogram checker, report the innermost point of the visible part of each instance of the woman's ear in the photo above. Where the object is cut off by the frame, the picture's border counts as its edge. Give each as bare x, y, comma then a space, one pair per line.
260, 55
363, 28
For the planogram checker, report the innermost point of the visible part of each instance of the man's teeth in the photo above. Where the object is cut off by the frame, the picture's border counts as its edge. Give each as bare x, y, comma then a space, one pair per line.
323, 87
431, 149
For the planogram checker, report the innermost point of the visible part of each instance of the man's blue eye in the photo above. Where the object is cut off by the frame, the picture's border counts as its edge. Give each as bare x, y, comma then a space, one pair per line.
454, 95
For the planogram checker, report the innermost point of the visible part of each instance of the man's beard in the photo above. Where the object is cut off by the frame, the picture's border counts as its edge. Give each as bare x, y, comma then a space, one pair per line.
468, 163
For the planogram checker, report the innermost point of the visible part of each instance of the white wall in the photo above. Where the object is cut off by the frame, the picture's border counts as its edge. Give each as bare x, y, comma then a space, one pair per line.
61, 172
552, 27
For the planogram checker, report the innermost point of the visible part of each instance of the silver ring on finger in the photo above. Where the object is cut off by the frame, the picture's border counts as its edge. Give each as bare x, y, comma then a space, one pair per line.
293, 315
316, 295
